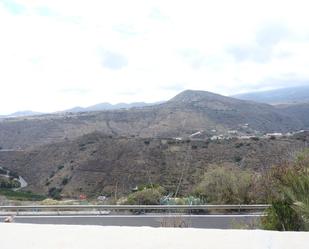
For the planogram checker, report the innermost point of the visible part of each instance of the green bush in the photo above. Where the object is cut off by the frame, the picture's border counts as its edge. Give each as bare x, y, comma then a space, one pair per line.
55, 193
237, 159
65, 180
13, 174
225, 185
60, 167
146, 197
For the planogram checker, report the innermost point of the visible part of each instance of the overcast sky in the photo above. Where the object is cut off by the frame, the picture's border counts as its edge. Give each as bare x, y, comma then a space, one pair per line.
56, 54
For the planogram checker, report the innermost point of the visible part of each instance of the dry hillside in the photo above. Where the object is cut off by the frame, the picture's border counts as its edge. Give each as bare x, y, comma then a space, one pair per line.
98, 164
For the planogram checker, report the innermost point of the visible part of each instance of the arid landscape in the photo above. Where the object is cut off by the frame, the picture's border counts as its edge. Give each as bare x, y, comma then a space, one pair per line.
169, 144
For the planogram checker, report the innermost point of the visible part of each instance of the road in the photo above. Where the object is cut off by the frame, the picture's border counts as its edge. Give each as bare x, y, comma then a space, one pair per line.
196, 221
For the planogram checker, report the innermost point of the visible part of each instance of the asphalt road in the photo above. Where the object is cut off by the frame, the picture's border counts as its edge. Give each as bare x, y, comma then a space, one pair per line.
196, 221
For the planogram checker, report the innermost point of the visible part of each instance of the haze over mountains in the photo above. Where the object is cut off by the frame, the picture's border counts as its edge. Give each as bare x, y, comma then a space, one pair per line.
108, 106
289, 95
25, 113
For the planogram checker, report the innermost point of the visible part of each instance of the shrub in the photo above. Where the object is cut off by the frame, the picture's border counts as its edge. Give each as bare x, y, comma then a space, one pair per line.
52, 174
291, 211
13, 174
225, 185
239, 145
282, 217
60, 167
55, 193
237, 159
194, 147
297, 193
145, 197
65, 180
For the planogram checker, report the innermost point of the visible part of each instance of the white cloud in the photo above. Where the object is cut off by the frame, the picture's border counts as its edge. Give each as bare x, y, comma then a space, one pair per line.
55, 54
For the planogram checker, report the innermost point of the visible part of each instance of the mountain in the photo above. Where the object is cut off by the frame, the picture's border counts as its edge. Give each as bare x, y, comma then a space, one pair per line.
297, 111
185, 114
108, 106
110, 151
290, 95
21, 114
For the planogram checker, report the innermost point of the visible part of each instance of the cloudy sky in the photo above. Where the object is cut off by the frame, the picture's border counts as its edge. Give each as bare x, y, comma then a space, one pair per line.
56, 54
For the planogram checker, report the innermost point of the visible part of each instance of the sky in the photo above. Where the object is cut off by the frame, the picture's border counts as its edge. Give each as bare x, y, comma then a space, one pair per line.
57, 54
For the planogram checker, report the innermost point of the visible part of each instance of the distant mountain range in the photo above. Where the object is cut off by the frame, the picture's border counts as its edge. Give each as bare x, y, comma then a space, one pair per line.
187, 113
99, 107
292, 95
107, 106
21, 114
289, 95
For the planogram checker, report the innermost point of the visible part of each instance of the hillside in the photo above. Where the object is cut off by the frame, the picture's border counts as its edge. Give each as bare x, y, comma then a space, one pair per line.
98, 164
289, 95
185, 114
297, 111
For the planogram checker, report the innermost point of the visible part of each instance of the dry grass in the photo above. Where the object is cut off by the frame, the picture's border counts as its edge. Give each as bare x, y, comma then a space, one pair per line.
175, 221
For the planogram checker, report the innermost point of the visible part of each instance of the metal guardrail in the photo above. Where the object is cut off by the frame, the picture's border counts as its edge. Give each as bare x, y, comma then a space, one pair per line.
135, 207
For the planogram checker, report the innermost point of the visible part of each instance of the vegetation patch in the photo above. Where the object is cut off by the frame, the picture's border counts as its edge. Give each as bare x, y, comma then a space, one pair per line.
21, 195
60, 167
9, 183
65, 180
290, 208
147, 196
55, 193
226, 185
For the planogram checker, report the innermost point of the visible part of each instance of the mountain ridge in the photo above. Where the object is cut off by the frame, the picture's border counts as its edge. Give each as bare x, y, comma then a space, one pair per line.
186, 113
290, 95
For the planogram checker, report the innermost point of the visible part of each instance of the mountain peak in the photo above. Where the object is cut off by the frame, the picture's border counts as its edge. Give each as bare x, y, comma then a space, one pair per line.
188, 96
